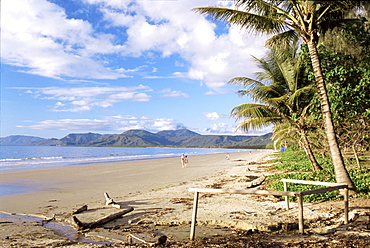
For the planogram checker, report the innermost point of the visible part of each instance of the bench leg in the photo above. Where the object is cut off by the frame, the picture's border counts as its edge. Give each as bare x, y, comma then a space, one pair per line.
300, 214
194, 216
345, 206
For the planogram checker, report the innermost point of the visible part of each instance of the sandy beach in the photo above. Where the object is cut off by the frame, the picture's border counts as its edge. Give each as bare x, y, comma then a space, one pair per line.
70, 186
158, 191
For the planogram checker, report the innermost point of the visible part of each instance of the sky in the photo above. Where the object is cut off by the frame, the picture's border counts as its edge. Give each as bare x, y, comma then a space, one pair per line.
108, 66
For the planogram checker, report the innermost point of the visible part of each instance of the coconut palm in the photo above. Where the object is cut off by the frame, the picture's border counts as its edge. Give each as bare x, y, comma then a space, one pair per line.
282, 97
288, 133
287, 21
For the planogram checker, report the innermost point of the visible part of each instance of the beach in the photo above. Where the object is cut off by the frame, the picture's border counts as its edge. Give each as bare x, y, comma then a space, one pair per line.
158, 192
71, 186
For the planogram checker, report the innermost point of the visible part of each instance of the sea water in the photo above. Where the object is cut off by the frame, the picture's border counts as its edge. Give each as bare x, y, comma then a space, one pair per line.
28, 157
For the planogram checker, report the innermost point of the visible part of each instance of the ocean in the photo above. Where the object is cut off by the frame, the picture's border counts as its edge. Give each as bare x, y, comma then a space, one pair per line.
28, 157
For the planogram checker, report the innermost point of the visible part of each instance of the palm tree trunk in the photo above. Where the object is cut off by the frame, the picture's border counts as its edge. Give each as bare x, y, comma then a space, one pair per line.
341, 173
307, 147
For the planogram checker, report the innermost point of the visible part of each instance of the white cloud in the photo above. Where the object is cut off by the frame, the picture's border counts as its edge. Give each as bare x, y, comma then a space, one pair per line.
213, 116
220, 128
173, 93
110, 123
214, 59
230, 129
59, 104
85, 98
69, 124
39, 38
121, 123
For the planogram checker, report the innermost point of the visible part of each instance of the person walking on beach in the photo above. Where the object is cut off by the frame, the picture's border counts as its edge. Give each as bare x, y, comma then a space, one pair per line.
186, 161
183, 160
228, 156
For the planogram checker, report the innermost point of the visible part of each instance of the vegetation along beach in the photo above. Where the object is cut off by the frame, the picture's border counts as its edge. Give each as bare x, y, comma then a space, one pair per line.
152, 159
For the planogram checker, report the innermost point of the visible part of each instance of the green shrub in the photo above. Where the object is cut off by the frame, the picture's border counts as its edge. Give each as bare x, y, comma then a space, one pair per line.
300, 168
361, 179
292, 161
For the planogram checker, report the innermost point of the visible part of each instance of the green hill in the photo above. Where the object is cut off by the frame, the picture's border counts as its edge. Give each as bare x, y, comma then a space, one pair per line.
142, 138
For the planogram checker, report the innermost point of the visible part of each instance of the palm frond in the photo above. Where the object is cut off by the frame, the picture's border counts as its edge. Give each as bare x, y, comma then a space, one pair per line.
266, 7
257, 123
249, 21
283, 40
245, 82
254, 110
302, 96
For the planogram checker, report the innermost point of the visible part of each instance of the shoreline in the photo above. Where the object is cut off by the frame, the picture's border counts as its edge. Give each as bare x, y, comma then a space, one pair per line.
70, 186
51, 159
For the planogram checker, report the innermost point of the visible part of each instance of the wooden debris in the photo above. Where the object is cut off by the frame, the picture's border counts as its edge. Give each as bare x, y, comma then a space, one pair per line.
80, 210
186, 201
110, 202
256, 182
151, 239
80, 225
43, 222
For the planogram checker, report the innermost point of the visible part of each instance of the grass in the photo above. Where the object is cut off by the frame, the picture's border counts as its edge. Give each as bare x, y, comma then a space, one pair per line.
295, 165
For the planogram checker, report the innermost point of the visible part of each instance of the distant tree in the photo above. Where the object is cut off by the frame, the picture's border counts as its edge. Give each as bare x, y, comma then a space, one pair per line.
352, 38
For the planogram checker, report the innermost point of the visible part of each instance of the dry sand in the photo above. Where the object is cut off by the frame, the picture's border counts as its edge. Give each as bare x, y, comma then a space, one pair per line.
158, 192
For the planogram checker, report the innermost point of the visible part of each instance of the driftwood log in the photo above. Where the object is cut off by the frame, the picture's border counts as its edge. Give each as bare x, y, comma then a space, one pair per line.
80, 210
80, 225
151, 239
43, 222
110, 202
256, 182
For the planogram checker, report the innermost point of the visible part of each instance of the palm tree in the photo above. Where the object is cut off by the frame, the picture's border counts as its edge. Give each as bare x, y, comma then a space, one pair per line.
288, 21
282, 95
286, 134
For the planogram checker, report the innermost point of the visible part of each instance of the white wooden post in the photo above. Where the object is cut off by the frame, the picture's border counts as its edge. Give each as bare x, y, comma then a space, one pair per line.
300, 214
194, 216
345, 190
286, 197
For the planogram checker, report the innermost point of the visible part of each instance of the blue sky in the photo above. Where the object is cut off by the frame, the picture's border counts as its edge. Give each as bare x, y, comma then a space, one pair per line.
108, 66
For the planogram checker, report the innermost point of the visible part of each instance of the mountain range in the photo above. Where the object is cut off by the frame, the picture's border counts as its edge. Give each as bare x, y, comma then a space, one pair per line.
142, 138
